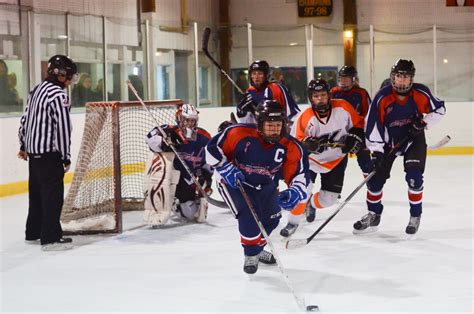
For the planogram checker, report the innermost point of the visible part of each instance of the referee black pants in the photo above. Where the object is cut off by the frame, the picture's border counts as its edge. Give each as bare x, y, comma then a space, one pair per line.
46, 192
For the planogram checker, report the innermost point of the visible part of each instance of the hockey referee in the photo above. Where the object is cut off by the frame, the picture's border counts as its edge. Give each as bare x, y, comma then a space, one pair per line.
45, 138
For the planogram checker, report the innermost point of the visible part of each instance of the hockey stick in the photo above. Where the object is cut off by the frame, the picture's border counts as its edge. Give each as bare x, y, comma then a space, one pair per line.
297, 243
173, 148
299, 301
205, 42
445, 140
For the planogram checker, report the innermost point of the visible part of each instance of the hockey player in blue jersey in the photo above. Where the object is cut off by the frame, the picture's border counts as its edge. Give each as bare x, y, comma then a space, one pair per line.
349, 90
401, 110
189, 141
262, 89
259, 155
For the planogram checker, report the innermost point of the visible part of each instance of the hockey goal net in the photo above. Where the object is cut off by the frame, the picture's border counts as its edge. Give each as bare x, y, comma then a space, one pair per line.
109, 174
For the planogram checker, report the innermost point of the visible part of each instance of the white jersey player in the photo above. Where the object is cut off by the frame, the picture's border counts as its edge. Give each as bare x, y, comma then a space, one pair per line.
329, 129
168, 179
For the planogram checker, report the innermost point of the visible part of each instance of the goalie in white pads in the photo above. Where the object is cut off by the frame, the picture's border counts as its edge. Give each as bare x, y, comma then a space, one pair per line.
167, 179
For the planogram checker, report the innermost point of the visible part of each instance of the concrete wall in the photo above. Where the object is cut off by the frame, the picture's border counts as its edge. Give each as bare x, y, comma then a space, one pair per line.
457, 123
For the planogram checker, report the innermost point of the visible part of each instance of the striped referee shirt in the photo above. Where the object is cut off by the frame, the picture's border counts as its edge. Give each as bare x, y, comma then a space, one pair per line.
46, 125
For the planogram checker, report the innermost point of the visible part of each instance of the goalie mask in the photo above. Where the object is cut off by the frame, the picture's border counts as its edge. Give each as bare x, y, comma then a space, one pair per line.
271, 120
187, 118
319, 97
401, 76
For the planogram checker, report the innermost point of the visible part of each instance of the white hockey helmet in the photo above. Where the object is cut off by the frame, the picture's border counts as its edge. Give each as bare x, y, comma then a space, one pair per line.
187, 118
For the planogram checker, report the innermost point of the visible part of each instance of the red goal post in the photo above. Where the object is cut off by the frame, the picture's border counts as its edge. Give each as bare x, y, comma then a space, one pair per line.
109, 173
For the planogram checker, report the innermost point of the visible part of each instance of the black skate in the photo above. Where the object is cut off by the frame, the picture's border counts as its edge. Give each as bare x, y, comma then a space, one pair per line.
251, 264
413, 225
310, 212
288, 230
266, 258
59, 245
368, 223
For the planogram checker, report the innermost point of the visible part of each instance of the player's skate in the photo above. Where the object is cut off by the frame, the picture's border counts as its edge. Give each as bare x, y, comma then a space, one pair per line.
310, 212
368, 223
251, 264
413, 225
288, 230
60, 245
266, 258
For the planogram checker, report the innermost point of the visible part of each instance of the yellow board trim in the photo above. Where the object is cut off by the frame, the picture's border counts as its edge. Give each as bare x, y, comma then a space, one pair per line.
20, 187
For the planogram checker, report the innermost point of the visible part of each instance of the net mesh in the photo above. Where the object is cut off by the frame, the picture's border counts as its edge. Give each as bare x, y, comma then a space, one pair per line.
109, 174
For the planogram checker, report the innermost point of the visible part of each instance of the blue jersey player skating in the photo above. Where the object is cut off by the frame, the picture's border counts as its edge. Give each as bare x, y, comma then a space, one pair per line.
259, 155
399, 111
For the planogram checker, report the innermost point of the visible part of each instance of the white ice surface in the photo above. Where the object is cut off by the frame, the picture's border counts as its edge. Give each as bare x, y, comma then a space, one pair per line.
198, 267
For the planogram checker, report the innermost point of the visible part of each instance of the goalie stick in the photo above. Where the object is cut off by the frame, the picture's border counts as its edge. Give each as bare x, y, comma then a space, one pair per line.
297, 243
300, 301
205, 42
168, 142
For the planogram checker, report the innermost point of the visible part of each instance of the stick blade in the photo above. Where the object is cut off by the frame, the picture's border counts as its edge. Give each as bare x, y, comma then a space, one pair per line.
205, 38
295, 243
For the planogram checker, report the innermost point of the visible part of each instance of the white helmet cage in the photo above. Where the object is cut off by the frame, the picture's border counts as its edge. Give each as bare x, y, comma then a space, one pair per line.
187, 118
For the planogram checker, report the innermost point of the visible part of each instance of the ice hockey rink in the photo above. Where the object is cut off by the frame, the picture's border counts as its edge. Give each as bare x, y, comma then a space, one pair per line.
198, 267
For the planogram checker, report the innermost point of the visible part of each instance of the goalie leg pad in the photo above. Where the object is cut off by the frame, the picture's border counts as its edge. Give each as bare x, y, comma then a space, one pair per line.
201, 214
189, 209
160, 185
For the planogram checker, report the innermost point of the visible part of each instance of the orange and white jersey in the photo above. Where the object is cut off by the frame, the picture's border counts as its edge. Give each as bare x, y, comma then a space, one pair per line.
342, 117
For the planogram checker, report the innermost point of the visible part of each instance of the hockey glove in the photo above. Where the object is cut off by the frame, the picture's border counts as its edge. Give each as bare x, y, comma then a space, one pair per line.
353, 141
378, 161
245, 105
288, 198
314, 145
205, 178
416, 128
224, 125
230, 173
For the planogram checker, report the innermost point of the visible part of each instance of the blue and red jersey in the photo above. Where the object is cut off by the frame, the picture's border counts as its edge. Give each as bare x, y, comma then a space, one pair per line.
275, 91
389, 118
261, 163
192, 151
357, 96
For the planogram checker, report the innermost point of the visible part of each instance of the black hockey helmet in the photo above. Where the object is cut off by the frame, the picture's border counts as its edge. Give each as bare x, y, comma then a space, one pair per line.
319, 85
403, 67
270, 110
62, 65
260, 65
347, 71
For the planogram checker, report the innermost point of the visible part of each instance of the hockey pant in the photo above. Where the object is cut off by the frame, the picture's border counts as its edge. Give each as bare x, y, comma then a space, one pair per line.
160, 184
414, 160
331, 187
191, 206
264, 201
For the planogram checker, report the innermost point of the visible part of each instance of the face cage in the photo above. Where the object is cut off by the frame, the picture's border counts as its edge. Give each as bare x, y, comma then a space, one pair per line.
189, 131
321, 109
401, 90
272, 139
345, 88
